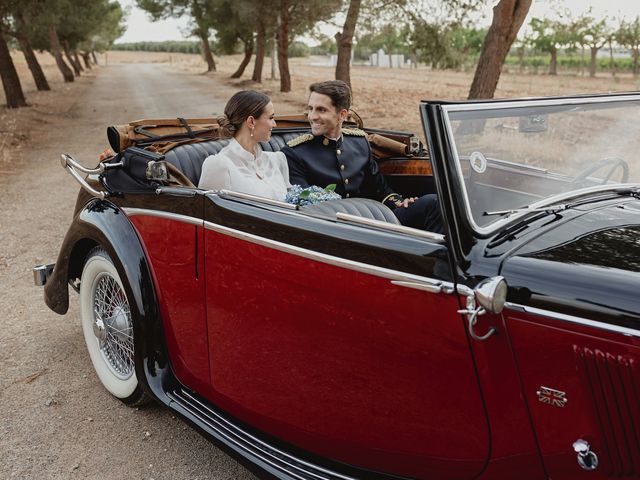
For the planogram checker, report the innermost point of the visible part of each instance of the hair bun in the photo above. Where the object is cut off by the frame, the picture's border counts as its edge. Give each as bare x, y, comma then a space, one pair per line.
227, 129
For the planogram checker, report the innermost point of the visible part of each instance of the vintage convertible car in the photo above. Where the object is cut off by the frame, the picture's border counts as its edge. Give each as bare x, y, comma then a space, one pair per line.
329, 342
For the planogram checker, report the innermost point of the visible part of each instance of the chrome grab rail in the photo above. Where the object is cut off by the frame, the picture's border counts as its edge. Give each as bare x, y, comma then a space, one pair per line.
71, 166
256, 198
68, 161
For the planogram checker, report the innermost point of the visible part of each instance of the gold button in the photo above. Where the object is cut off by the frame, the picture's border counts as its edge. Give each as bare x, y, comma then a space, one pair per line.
347, 195
346, 181
341, 167
325, 142
338, 152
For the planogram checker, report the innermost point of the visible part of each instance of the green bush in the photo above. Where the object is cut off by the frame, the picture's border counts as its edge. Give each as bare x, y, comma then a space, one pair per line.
571, 62
167, 46
298, 49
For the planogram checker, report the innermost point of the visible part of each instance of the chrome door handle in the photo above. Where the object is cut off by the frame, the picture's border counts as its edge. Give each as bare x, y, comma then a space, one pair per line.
473, 312
587, 459
472, 320
435, 287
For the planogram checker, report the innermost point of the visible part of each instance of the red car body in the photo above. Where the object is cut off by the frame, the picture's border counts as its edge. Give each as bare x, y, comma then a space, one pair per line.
315, 348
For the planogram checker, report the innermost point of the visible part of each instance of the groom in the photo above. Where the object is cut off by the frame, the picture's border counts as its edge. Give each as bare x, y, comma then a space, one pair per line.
332, 154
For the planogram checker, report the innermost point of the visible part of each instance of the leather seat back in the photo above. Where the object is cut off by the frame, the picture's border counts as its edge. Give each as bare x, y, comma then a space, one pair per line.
189, 158
361, 207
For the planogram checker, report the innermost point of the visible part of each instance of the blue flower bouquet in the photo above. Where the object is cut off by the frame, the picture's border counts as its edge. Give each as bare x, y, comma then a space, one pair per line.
297, 195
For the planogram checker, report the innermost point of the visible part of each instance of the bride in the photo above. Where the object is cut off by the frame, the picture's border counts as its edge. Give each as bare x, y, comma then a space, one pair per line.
242, 165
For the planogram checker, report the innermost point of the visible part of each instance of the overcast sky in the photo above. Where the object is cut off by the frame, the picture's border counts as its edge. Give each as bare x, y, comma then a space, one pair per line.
140, 28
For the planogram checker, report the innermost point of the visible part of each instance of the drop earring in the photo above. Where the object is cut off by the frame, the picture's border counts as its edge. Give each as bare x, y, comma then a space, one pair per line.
252, 131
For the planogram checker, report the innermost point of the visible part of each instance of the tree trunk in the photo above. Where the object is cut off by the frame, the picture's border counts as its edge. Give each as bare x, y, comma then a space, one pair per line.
10, 80
206, 50
612, 63
87, 60
95, 59
521, 52
582, 61
76, 60
344, 42
248, 52
283, 47
29, 55
67, 54
274, 44
553, 63
592, 65
67, 74
508, 16
260, 51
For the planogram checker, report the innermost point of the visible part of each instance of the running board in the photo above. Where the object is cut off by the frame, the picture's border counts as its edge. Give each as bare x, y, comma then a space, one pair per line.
276, 462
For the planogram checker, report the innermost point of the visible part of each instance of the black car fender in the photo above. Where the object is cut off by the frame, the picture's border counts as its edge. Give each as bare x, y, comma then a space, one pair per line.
101, 223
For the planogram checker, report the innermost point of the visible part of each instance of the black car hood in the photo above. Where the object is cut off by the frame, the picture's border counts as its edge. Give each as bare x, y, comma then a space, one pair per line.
587, 265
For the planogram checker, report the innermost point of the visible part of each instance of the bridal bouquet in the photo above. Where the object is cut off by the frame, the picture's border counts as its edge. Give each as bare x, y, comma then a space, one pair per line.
311, 195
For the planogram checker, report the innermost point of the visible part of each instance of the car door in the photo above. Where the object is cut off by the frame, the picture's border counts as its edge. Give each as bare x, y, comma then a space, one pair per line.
577, 347
342, 340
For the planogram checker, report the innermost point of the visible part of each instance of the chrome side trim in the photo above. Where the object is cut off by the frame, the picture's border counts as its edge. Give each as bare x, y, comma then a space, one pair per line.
630, 332
394, 275
370, 222
255, 198
329, 259
166, 215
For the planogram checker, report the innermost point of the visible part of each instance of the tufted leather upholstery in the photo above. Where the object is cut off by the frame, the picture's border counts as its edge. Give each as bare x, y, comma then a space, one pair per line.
189, 158
362, 207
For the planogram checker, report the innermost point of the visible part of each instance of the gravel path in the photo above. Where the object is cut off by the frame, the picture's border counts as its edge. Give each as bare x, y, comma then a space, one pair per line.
57, 421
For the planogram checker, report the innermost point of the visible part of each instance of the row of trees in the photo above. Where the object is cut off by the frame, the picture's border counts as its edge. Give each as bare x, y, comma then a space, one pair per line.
296, 49
432, 27
66, 28
584, 33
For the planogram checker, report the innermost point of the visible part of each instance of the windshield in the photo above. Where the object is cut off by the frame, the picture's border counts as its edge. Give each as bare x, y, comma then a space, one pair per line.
517, 154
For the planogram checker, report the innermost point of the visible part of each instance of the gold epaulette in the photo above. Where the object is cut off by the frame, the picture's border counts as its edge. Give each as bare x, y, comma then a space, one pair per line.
354, 131
301, 139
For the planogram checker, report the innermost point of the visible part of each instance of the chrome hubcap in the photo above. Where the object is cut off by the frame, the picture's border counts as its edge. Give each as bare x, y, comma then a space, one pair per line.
112, 325
98, 328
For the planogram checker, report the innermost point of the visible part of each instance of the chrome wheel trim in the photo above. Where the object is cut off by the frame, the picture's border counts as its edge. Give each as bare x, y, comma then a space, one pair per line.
112, 325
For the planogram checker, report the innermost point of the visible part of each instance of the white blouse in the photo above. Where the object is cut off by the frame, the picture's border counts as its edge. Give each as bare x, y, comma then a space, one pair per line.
233, 168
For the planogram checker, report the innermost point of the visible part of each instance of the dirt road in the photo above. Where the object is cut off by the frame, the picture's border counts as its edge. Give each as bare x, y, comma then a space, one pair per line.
57, 421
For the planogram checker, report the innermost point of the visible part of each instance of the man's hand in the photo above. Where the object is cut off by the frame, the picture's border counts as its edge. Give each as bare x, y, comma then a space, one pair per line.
406, 202
106, 154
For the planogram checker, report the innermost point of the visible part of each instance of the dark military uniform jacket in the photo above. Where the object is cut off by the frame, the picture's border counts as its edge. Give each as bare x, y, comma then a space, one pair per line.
346, 162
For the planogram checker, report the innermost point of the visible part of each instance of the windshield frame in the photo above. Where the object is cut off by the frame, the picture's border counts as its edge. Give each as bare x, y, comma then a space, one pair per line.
524, 103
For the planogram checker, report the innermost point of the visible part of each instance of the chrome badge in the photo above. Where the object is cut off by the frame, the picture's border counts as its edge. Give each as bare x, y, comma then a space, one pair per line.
552, 397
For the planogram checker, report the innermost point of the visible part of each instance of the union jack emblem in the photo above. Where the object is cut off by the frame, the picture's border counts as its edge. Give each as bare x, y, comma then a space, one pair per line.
551, 396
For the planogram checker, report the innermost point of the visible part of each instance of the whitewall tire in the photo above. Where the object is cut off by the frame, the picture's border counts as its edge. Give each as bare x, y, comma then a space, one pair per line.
107, 324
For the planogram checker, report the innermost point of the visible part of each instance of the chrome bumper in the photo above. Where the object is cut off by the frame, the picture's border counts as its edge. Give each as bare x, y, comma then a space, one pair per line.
41, 273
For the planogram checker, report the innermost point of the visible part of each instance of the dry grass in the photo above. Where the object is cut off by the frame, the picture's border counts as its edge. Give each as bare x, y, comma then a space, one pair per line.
385, 98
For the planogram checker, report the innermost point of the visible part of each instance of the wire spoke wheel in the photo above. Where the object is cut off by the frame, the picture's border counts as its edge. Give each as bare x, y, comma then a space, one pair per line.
107, 323
111, 307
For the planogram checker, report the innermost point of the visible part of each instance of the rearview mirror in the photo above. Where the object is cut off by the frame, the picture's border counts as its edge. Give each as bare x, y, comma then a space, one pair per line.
533, 124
